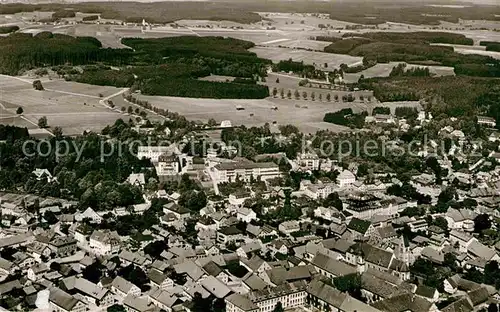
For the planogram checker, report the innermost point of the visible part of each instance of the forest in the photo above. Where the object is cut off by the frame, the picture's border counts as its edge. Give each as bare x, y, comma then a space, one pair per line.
8, 29
452, 96
415, 48
20, 51
165, 66
491, 45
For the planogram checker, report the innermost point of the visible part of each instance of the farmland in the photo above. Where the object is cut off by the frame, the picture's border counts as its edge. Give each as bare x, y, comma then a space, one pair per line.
311, 58
72, 106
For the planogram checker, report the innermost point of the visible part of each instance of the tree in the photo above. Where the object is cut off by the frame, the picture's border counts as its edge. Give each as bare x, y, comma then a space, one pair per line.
193, 200
155, 249
296, 94
58, 132
278, 307
282, 93
130, 110
336, 97
328, 97
333, 200
277, 80
37, 85
320, 97
275, 92
116, 308
313, 96
93, 272
19, 110
42, 122
482, 222
304, 95
493, 307
289, 94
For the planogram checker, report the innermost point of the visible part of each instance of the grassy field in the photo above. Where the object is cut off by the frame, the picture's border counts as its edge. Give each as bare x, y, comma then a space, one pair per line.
72, 106
312, 58
305, 114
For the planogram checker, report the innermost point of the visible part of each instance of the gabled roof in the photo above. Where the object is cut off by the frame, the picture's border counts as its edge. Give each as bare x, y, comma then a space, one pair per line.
358, 225
333, 266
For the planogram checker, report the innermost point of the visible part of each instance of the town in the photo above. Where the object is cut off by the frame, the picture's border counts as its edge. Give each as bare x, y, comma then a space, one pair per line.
249, 156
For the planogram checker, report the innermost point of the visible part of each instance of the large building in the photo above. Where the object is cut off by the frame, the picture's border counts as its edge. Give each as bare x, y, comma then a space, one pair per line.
154, 152
245, 170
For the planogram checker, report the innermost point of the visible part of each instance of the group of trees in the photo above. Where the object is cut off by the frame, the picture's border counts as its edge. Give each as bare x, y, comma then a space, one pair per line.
306, 71
8, 29
491, 45
346, 117
94, 180
401, 70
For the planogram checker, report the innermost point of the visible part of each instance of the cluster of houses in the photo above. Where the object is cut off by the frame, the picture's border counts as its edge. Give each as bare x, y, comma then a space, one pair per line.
235, 258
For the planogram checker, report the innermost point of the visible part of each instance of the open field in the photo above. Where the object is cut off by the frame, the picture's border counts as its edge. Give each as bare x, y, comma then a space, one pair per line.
308, 116
72, 106
312, 58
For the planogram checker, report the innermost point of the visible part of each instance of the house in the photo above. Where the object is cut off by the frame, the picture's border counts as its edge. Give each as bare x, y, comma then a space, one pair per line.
360, 228
154, 152
180, 212
331, 267
137, 304
427, 292
160, 280
44, 174
229, 234
122, 287
105, 242
250, 248
288, 227
6, 267
486, 121
36, 271
246, 215
346, 178
61, 301
215, 287
89, 213
91, 292
213, 269
163, 300
128, 257
168, 166
136, 179
63, 245
308, 161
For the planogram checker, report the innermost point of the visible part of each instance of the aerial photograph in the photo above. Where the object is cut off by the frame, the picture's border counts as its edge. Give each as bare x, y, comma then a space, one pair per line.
250, 155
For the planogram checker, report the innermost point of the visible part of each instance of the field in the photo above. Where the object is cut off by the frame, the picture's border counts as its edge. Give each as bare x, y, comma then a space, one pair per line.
317, 59
384, 69
72, 106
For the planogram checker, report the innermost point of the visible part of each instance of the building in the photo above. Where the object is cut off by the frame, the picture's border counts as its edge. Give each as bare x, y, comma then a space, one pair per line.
346, 178
61, 301
245, 171
168, 165
105, 242
308, 161
63, 245
486, 121
153, 152
122, 287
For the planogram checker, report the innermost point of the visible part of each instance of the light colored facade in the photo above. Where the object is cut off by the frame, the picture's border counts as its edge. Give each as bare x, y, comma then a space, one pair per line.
104, 242
152, 152
230, 172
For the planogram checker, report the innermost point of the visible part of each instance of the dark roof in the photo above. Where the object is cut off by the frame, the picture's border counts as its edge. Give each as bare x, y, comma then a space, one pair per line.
326, 293
212, 268
244, 165
230, 230
333, 266
358, 225
403, 303
425, 291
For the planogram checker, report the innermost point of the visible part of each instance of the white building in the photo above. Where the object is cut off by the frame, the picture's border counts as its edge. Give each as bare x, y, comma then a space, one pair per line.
308, 161
245, 170
154, 152
346, 178
104, 242
246, 215
167, 165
